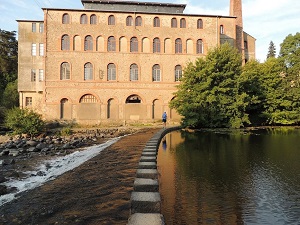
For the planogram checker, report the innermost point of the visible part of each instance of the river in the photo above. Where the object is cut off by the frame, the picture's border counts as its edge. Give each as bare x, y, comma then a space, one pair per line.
231, 177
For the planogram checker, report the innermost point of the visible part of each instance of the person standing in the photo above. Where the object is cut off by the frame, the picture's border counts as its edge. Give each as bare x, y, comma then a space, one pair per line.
164, 119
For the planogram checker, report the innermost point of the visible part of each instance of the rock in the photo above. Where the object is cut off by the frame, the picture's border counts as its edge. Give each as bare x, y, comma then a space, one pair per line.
13, 152
10, 144
8, 162
31, 143
3, 190
66, 146
2, 179
4, 152
45, 149
40, 146
32, 149
41, 173
14, 174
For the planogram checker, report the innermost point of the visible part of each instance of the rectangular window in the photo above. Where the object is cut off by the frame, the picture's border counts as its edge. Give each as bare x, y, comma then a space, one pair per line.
41, 75
41, 28
33, 75
33, 29
41, 49
28, 101
33, 49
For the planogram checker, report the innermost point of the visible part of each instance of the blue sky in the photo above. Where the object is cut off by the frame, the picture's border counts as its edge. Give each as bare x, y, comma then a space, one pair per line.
266, 20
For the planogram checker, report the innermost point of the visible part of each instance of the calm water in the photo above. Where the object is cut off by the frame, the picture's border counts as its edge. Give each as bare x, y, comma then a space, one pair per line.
231, 177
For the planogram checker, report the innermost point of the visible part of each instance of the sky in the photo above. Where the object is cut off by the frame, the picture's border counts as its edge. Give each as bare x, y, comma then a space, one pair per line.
265, 20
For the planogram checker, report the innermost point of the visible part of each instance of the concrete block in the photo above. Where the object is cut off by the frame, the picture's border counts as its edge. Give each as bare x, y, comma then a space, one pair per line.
147, 173
145, 202
143, 185
146, 219
149, 153
148, 159
147, 165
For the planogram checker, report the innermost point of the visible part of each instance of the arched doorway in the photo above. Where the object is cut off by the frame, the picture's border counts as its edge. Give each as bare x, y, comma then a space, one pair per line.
157, 109
134, 108
63, 108
112, 109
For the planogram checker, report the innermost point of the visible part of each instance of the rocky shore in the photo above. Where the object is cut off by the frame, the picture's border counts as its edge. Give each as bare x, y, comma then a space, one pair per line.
19, 154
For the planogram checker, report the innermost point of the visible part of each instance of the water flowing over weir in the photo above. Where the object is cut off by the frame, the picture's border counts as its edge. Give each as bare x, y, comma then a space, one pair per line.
50, 169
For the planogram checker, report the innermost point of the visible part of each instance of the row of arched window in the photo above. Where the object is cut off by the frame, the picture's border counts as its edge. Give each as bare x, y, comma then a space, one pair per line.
134, 44
111, 73
130, 21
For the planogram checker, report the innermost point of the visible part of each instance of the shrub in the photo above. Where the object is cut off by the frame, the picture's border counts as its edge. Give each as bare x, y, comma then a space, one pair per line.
24, 121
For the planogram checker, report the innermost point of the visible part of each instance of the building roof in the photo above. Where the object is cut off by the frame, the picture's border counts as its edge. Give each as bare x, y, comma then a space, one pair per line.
140, 12
133, 3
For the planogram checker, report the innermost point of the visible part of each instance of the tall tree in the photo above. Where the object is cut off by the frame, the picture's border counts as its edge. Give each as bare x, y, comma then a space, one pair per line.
208, 94
272, 50
290, 55
8, 59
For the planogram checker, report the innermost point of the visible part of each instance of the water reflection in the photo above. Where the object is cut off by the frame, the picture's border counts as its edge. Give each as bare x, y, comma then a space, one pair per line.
231, 177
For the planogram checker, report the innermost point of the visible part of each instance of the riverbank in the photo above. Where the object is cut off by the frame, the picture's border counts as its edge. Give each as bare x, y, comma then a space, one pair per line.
97, 192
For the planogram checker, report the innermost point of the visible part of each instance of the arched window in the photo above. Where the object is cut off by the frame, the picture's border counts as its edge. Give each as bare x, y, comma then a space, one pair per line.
63, 103
134, 72
138, 21
83, 19
199, 24
111, 20
182, 23
156, 73
65, 71
221, 29
199, 48
88, 43
88, 99
133, 99
65, 42
93, 19
88, 71
129, 21
156, 22
111, 44
156, 45
178, 45
174, 22
111, 72
134, 45
66, 18
178, 72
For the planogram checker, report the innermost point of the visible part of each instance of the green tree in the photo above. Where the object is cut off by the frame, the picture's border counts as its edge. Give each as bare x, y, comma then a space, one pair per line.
24, 121
272, 50
8, 59
11, 95
208, 95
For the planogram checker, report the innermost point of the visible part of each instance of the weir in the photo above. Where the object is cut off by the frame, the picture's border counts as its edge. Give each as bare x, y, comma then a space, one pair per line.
145, 199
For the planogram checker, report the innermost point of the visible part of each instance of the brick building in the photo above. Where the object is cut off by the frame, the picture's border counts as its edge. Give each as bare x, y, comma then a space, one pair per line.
116, 61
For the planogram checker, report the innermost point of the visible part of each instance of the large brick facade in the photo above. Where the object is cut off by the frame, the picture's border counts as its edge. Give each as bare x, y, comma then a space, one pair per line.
115, 61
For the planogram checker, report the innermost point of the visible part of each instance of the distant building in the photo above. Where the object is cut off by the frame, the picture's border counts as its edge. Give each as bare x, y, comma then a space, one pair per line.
117, 61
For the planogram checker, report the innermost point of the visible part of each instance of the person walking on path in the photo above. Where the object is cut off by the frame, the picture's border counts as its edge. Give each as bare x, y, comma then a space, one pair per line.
164, 119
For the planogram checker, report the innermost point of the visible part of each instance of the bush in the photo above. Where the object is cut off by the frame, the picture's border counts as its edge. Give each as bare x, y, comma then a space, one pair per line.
24, 121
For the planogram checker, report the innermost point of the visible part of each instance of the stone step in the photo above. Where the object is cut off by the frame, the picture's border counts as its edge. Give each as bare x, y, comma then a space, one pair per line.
147, 173
144, 185
145, 202
147, 165
149, 153
148, 159
146, 219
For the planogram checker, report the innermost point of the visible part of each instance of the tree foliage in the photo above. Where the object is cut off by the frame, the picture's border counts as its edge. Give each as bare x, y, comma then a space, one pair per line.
208, 94
24, 121
8, 59
217, 91
272, 50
